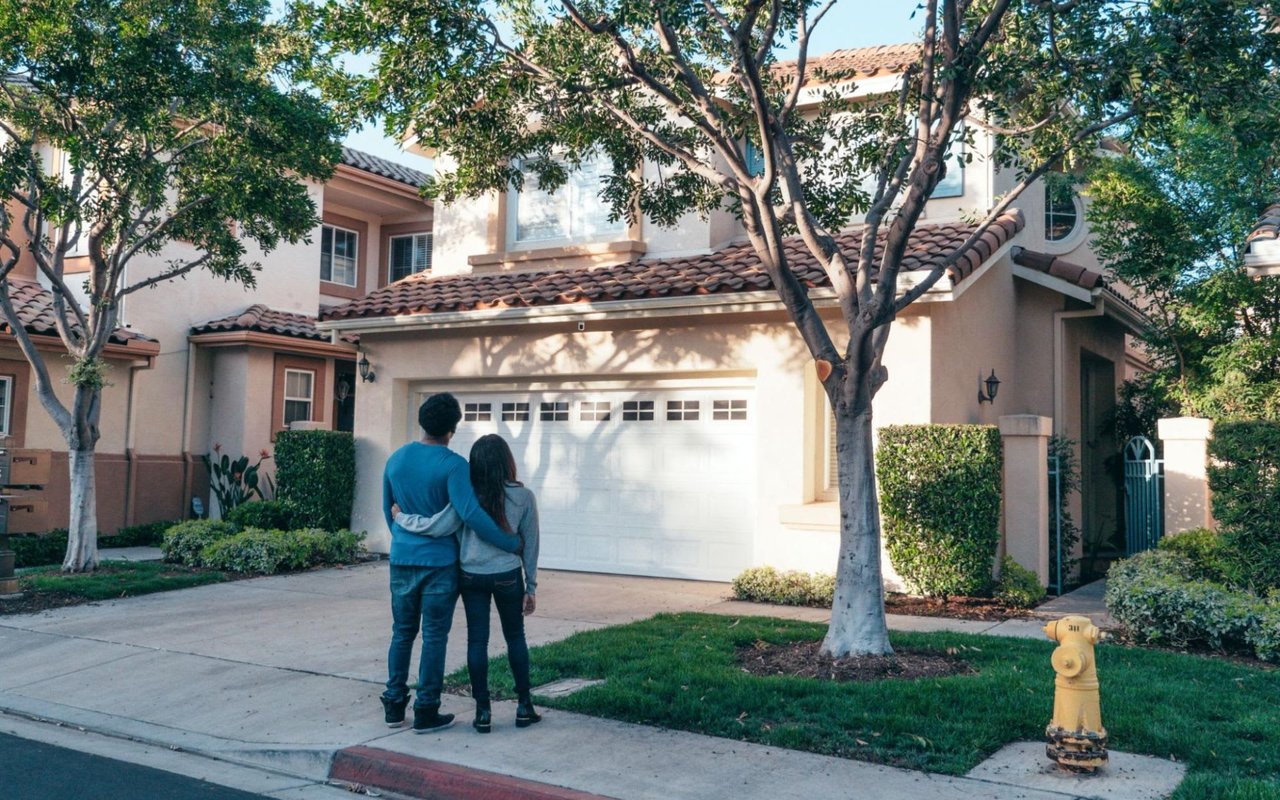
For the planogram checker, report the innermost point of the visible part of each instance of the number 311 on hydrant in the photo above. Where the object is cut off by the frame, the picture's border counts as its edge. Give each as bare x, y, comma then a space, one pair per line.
1077, 740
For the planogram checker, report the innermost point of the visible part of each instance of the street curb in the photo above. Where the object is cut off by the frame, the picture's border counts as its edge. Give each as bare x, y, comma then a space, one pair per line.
437, 780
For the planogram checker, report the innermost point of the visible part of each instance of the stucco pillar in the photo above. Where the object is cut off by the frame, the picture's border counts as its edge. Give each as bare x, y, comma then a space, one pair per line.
1186, 474
1026, 490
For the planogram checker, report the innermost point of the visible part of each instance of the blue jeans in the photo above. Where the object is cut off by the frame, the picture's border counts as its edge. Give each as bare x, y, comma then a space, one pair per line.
426, 596
507, 591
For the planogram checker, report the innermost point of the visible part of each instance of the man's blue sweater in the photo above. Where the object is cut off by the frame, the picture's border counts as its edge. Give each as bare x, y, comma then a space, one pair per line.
422, 479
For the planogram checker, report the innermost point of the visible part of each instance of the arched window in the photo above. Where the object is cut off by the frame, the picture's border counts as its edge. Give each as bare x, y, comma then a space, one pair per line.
1060, 214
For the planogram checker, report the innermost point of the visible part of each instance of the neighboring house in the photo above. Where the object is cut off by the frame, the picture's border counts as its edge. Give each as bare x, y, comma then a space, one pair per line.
661, 404
1262, 253
220, 364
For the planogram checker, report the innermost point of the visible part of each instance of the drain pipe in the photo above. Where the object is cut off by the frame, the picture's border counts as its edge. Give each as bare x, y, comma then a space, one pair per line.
1059, 346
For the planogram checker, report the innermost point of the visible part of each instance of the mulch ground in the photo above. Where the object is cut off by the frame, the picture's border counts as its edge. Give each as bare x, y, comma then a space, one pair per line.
802, 660
32, 602
985, 609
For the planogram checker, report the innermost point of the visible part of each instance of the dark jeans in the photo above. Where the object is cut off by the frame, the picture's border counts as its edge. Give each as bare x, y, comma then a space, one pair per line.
426, 596
507, 591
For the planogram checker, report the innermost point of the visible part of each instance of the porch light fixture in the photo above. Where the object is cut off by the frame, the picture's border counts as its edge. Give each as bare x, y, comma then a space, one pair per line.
366, 369
992, 384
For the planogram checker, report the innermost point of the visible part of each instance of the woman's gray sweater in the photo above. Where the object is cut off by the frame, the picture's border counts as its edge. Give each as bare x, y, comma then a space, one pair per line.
477, 556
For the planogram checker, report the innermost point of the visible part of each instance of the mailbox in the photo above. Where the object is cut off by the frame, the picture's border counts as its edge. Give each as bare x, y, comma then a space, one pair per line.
27, 467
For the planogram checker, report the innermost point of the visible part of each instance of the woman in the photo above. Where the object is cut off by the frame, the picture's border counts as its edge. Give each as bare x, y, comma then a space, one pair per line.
489, 573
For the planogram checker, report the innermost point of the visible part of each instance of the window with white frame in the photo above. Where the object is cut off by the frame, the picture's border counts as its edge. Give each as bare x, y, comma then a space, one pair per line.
729, 409
299, 395
1060, 215
682, 410
6, 404
829, 466
477, 412
574, 212
591, 411
338, 255
409, 254
515, 412
637, 411
554, 412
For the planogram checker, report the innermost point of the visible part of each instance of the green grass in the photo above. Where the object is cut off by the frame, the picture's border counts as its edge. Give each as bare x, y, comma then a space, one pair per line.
679, 671
116, 579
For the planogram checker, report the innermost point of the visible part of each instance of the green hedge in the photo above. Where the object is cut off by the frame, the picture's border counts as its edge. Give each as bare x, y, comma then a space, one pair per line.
316, 473
38, 551
1018, 586
268, 514
1244, 474
940, 500
148, 534
793, 588
185, 542
265, 552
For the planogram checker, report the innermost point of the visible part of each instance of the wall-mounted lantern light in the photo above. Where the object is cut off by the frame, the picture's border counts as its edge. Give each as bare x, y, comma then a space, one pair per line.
992, 385
366, 369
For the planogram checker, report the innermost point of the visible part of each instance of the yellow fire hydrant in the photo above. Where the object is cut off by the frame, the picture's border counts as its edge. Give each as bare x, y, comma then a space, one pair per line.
1077, 740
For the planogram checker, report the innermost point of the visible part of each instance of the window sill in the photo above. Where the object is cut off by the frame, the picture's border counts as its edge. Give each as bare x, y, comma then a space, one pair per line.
819, 516
340, 290
631, 247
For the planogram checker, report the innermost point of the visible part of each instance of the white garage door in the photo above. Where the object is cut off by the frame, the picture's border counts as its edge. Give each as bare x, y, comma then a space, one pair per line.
640, 482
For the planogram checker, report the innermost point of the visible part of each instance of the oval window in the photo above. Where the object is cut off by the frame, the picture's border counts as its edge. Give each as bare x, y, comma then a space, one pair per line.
1060, 215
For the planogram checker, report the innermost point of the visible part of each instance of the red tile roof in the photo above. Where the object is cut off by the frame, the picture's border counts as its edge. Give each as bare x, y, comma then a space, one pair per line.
733, 269
34, 305
1059, 268
1267, 226
885, 59
261, 319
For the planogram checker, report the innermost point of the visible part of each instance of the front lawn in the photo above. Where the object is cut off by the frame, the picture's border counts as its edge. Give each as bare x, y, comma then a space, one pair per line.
47, 587
680, 671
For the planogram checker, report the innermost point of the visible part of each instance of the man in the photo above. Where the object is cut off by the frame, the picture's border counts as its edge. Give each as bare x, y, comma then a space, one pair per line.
422, 478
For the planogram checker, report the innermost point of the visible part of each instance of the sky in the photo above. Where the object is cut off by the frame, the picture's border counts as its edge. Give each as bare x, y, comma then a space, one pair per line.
850, 23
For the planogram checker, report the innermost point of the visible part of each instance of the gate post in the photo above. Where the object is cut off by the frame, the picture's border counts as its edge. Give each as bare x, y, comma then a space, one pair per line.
1186, 476
1026, 491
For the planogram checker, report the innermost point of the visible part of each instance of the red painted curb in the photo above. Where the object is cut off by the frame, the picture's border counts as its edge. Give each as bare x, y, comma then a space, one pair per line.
437, 780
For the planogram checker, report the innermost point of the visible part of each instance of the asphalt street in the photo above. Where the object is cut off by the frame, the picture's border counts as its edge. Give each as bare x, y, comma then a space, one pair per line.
37, 771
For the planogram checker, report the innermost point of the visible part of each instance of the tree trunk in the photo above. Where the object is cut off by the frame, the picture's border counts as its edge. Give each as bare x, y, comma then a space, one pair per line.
857, 612
82, 532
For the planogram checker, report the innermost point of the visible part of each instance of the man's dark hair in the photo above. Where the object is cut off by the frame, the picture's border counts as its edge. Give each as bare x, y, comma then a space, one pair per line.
439, 414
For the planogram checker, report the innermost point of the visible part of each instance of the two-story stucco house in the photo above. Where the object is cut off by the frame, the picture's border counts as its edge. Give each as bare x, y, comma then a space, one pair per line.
200, 362
660, 403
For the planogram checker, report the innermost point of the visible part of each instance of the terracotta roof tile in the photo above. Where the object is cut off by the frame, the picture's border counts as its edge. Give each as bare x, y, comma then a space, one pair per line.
732, 269
34, 305
860, 62
1059, 268
1267, 226
381, 166
261, 319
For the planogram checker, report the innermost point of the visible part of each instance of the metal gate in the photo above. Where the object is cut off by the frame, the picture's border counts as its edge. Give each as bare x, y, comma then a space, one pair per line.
1143, 495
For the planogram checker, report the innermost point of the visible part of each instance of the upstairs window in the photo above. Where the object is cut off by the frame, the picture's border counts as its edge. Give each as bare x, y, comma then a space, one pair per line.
338, 255
409, 254
6, 402
1060, 214
574, 212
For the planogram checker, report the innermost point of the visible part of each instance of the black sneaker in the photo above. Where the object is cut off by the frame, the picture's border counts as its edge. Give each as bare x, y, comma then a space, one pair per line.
526, 715
394, 711
430, 720
483, 722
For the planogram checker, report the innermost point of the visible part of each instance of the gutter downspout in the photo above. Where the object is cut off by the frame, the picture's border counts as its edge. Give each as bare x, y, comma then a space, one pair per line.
1059, 346
188, 392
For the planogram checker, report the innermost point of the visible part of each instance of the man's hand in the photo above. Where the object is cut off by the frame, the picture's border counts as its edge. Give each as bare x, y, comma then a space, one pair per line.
395, 510
530, 604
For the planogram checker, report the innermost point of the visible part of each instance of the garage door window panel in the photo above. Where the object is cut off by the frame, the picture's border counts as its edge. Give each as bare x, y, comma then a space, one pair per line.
515, 412
554, 412
590, 411
729, 410
477, 412
683, 410
637, 411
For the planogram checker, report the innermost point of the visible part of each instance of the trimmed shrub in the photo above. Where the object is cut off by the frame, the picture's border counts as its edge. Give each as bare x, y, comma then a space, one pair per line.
265, 552
1157, 598
316, 473
148, 534
792, 588
1244, 474
38, 551
185, 542
266, 514
1202, 547
940, 499
1265, 636
1018, 586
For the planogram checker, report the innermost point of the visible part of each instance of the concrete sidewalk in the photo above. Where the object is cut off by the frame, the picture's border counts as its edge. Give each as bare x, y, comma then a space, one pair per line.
285, 672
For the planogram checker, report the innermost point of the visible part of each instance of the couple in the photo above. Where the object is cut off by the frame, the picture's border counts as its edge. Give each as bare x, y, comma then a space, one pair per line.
456, 527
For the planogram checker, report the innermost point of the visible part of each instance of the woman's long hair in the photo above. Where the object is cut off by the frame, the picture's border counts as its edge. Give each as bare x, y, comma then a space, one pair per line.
492, 467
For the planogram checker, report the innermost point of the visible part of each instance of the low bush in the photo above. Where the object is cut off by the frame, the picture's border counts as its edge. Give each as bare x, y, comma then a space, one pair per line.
185, 542
792, 588
38, 551
266, 552
1158, 599
148, 534
1202, 547
940, 496
1018, 586
1264, 638
266, 514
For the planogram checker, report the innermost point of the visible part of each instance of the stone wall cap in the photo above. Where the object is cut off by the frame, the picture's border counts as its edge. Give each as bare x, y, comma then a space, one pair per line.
1025, 425
1184, 428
